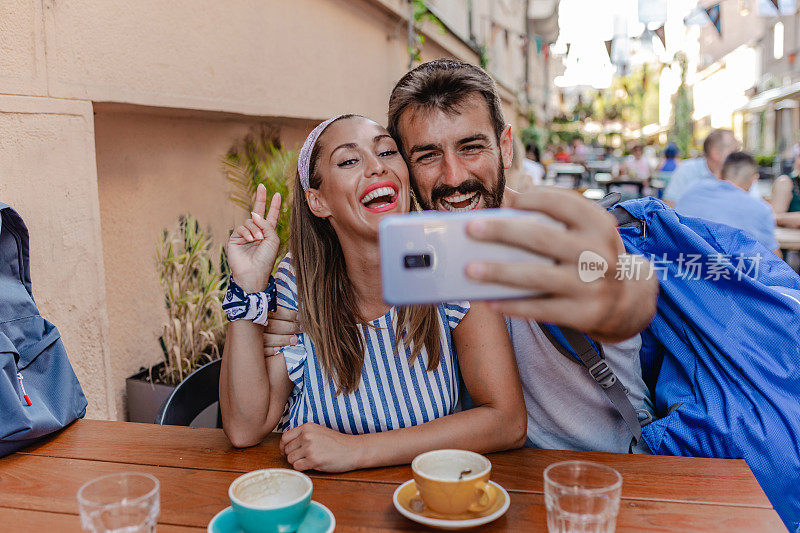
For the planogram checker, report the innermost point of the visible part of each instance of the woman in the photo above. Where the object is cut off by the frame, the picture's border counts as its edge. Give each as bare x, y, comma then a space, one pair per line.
636, 165
367, 384
786, 198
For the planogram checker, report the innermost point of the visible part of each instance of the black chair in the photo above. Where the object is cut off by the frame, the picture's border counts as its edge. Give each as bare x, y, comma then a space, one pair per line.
193, 395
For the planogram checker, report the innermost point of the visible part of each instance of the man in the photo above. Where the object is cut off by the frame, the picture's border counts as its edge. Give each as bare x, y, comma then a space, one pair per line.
447, 119
726, 201
717, 146
670, 158
448, 122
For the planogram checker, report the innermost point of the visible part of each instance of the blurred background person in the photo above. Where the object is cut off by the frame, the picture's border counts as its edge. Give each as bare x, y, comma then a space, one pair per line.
717, 147
727, 201
549, 155
562, 155
533, 164
637, 167
671, 154
579, 151
518, 176
786, 197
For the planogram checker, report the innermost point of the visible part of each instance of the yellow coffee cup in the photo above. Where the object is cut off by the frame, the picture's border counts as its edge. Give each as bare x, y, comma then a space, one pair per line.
454, 481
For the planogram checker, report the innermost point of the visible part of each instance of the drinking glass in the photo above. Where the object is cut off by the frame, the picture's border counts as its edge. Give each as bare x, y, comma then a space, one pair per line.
120, 503
581, 497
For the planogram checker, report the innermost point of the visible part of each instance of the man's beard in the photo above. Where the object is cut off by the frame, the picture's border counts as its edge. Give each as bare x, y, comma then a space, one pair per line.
491, 199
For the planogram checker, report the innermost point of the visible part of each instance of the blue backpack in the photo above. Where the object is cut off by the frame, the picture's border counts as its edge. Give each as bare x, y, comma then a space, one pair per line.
722, 355
39, 393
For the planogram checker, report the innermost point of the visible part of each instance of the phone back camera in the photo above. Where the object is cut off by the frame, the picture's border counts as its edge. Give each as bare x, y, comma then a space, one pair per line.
417, 261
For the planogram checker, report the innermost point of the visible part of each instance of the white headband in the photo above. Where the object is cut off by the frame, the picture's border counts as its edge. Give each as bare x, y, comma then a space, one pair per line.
304, 160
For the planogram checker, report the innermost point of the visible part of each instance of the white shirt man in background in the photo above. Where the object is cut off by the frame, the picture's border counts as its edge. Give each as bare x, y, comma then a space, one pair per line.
716, 148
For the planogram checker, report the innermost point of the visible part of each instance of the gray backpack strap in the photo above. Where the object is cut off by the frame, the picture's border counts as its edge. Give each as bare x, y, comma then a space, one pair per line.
594, 362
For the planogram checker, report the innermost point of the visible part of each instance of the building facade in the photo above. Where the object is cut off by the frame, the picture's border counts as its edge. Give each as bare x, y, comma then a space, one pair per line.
748, 78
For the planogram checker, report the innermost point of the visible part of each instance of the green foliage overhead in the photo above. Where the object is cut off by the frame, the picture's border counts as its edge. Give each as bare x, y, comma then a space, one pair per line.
533, 135
483, 56
632, 98
421, 13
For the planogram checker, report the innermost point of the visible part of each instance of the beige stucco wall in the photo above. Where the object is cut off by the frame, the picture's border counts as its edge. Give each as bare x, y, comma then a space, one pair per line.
305, 58
22, 59
48, 174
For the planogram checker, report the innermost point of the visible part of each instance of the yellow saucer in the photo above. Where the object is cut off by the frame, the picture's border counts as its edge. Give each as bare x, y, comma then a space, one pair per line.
414, 509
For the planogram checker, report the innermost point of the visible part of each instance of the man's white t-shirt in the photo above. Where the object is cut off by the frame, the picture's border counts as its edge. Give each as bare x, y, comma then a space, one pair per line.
567, 409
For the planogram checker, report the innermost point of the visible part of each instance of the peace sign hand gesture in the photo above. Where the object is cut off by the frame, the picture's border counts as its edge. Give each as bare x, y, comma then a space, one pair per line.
253, 246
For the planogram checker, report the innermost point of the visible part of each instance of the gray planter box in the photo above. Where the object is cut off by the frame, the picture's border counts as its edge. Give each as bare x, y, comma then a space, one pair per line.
145, 399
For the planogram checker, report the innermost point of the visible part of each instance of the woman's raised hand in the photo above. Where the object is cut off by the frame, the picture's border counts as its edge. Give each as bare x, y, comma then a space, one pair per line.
253, 246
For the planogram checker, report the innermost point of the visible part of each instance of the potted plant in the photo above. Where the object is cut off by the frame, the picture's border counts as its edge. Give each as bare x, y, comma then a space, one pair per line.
766, 165
194, 333
194, 288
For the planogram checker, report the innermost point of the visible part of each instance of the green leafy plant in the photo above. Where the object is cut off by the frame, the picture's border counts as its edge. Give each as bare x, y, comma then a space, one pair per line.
260, 158
682, 130
533, 134
193, 292
420, 13
483, 56
765, 160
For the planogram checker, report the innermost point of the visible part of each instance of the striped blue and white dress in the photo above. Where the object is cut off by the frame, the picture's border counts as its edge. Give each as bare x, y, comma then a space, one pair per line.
392, 392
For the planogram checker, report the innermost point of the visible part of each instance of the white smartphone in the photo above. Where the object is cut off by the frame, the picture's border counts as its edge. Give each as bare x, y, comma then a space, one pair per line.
424, 257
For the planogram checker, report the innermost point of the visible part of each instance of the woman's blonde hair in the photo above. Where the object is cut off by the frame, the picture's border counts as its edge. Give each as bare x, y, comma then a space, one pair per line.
327, 303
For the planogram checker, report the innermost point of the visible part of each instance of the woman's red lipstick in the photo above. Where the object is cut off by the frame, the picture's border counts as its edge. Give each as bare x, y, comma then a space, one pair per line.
375, 187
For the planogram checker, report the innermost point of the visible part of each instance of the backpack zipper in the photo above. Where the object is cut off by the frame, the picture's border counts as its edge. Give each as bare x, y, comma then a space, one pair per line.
20, 261
24, 394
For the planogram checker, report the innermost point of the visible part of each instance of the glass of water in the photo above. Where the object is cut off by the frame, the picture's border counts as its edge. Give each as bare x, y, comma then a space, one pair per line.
120, 503
581, 497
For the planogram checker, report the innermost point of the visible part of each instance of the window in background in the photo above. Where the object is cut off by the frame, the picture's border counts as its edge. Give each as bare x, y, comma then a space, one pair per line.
777, 40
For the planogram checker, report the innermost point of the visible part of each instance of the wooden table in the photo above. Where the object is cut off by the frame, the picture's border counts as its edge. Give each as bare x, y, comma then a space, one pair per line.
788, 238
38, 486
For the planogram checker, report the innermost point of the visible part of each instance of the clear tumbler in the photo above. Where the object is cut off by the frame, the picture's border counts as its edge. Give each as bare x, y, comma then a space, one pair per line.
120, 503
581, 497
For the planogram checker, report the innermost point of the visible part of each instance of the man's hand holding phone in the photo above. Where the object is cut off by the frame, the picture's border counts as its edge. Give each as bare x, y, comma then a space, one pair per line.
530, 256
609, 308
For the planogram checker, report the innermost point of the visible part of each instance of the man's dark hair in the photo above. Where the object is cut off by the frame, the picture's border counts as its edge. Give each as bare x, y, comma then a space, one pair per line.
739, 167
443, 84
715, 139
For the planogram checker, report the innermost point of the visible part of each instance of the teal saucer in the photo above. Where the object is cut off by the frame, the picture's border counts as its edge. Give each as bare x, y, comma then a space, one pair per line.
319, 519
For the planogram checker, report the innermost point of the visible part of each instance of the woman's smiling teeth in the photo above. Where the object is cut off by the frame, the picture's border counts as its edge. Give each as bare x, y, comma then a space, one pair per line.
461, 202
380, 199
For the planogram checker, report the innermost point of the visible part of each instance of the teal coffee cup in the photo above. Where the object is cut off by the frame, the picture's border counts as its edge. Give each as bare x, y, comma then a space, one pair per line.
274, 500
